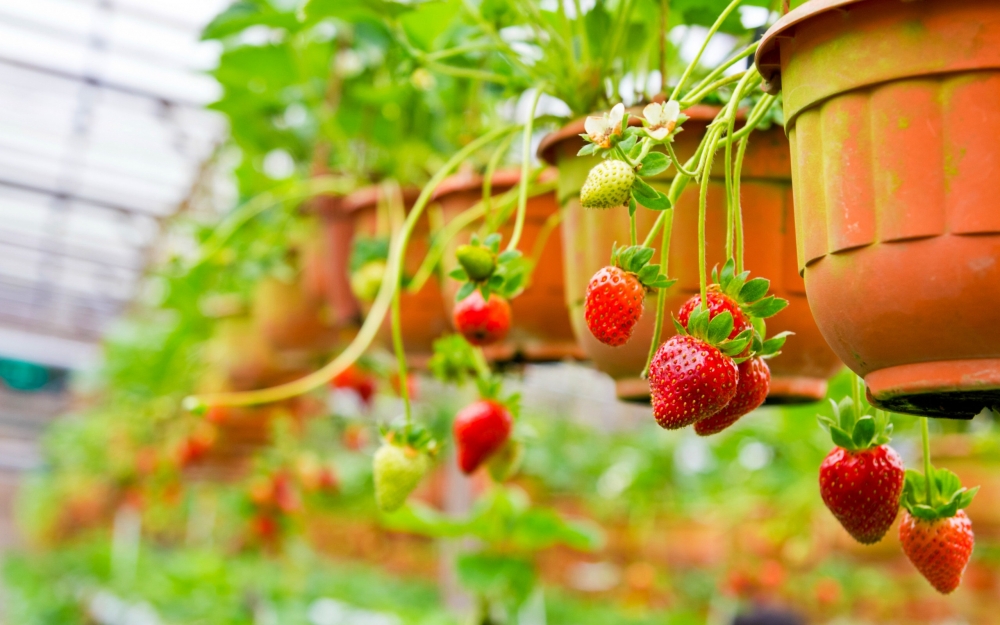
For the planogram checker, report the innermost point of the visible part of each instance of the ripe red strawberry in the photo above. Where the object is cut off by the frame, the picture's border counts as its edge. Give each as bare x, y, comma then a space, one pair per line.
357, 380
480, 430
690, 380
614, 304
482, 322
751, 391
862, 478
717, 302
862, 488
936, 535
733, 293
615, 294
940, 549
693, 375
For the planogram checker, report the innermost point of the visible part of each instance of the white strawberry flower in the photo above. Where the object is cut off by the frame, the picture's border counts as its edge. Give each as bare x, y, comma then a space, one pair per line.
601, 128
661, 119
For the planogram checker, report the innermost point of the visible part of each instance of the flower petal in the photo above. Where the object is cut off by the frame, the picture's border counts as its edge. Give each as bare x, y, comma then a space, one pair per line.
671, 110
652, 113
658, 133
616, 115
596, 127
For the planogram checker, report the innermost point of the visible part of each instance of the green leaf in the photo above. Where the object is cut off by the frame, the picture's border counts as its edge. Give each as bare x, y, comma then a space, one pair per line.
754, 290
465, 291
627, 144
864, 432
654, 163
641, 189
681, 330
508, 256
493, 242
587, 150
459, 274
720, 327
648, 273
636, 149
840, 438
767, 307
497, 577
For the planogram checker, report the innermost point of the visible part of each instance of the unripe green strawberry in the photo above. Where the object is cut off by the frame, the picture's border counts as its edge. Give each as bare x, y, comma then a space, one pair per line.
505, 463
608, 185
477, 261
397, 471
366, 281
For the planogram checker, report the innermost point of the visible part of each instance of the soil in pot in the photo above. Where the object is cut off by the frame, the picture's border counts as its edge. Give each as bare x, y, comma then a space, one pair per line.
895, 167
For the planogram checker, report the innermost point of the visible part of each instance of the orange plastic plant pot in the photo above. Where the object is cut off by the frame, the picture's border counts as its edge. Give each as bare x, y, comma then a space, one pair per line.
541, 329
893, 117
801, 372
423, 318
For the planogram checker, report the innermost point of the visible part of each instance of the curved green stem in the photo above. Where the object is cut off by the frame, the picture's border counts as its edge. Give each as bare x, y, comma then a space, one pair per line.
491, 168
522, 196
706, 85
397, 345
677, 163
737, 174
459, 223
543, 236
926, 439
378, 310
633, 237
661, 294
708, 37
696, 97
706, 173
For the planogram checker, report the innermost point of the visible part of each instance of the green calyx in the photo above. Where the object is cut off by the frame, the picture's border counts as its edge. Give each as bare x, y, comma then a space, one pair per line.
491, 387
946, 498
478, 261
635, 260
412, 435
853, 428
715, 331
485, 267
764, 347
751, 295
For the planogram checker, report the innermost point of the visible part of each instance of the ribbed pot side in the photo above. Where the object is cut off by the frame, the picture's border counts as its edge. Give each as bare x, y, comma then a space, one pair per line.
893, 115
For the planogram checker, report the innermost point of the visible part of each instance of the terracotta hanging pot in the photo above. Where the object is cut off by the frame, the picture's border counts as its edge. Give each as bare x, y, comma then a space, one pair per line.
289, 318
423, 318
892, 114
801, 372
336, 232
541, 329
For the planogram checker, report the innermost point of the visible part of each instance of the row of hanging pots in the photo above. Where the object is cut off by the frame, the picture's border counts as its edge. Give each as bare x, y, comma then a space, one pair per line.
541, 327
895, 164
801, 372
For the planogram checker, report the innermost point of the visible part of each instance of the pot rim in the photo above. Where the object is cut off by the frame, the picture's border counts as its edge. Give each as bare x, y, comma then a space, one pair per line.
767, 59
698, 112
471, 181
366, 197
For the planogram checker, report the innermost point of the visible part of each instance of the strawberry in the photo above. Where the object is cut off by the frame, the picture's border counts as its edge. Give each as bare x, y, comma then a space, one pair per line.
480, 430
506, 462
615, 294
482, 322
608, 185
936, 534
862, 478
397, 471
367, 280
751, 391
693, 375
478, 261
357, 380
731, 292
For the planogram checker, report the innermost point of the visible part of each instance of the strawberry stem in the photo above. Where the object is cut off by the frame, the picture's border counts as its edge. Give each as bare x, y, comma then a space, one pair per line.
856, 396
661, 294
631, 228
926, 439
397, 344
522, 192
491, 167
706, 171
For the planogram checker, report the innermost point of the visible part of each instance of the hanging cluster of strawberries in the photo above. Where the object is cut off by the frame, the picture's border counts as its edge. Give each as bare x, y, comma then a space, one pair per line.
713, 371
863, 483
